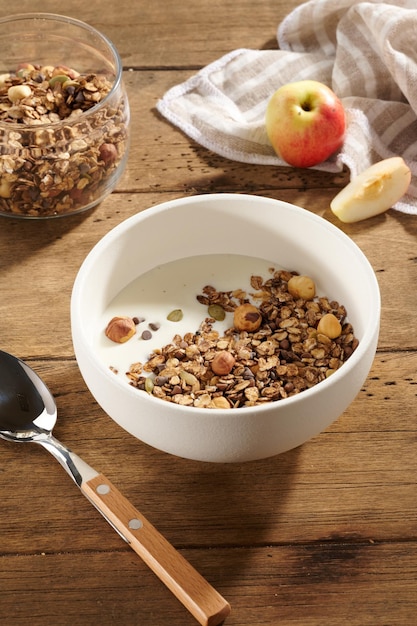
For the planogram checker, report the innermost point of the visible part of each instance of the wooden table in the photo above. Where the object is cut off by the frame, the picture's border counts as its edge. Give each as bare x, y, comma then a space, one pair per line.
323, 534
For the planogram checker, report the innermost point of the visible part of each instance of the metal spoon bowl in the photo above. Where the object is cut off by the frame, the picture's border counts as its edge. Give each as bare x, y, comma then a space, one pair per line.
28, 413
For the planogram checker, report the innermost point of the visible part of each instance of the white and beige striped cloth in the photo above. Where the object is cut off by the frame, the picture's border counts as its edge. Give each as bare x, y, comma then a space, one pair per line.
365, 51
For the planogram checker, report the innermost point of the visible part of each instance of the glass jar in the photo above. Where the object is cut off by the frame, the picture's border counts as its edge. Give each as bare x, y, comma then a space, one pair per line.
64, 116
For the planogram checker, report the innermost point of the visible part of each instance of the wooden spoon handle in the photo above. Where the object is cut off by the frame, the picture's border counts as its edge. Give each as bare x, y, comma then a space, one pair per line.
197, 595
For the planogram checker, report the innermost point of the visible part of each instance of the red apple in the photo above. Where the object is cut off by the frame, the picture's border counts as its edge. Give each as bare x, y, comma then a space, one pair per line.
305, 122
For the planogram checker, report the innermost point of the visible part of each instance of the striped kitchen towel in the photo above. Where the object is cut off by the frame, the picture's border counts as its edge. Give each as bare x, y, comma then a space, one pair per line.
365, 51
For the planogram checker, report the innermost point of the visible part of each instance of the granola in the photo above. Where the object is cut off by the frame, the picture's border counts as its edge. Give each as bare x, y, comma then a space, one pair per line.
54, 157
284, 356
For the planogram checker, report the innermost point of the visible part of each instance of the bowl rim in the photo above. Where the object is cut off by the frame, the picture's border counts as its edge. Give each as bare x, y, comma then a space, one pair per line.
117, 231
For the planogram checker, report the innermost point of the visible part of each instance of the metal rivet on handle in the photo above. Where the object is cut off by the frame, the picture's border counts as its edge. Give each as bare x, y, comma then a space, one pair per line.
135, 524
102, 489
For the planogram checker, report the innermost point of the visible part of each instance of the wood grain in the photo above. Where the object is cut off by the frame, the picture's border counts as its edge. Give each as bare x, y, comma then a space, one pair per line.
207, 606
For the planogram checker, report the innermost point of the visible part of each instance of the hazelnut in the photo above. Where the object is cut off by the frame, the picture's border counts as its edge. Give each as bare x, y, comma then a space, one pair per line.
61, 70
223, 363
330, 326
108, 153
25, 66
247, 317
120, 329
302, 287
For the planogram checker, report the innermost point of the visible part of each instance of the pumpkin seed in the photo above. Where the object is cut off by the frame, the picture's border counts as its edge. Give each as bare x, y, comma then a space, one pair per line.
58, 78
190, 379
217, 312
175, 316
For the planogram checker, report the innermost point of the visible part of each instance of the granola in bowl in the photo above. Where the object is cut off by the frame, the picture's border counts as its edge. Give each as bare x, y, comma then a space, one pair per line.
288, 352
268, 338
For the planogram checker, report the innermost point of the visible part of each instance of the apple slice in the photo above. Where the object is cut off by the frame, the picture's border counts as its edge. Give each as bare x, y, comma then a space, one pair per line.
373, 191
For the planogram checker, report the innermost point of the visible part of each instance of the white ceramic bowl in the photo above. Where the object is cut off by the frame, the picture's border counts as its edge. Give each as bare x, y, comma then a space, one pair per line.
291, 237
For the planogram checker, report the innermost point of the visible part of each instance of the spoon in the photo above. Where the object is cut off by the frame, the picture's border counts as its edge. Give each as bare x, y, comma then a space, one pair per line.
28, 414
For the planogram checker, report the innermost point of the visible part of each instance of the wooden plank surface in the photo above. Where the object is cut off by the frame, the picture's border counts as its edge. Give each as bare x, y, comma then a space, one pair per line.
172, 34
323, 534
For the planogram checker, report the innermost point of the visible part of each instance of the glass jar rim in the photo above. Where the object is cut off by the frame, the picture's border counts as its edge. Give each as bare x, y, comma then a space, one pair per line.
88, 28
